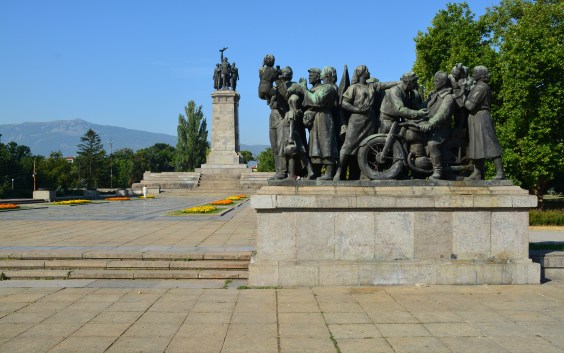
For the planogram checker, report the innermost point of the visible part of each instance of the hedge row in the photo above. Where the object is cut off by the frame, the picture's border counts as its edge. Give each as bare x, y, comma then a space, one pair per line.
546, 218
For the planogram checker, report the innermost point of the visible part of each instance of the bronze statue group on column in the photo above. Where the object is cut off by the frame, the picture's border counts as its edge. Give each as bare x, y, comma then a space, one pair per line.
225, 75
384, 130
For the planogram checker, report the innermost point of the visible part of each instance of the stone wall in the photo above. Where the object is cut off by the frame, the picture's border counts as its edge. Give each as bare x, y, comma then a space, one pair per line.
366, 235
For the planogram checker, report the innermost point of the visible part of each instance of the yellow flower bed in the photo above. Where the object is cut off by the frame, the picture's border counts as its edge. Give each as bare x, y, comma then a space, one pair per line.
241, 196
148, 197
199, 209
234, 198
8, 206
222, 202
71, 202
123, 198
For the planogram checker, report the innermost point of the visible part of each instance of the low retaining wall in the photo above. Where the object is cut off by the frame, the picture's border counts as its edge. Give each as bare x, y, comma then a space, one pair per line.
447, 233
551, 262
46, 195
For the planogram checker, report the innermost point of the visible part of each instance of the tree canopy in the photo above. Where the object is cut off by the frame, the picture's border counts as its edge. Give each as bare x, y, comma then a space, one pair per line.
520, 41
247, 156
529, 37
16, 163
266, 161
455, 36
192, 139
90, 158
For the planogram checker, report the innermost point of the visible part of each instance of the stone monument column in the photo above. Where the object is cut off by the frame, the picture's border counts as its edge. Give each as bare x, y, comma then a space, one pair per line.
224, 155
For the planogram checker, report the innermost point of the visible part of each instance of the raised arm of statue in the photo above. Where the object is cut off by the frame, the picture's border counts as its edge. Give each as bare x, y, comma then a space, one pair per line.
221, 55
381, 86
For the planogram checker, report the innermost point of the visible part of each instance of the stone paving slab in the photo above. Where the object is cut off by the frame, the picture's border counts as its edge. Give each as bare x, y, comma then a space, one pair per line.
43, 234
152, 317
223, 316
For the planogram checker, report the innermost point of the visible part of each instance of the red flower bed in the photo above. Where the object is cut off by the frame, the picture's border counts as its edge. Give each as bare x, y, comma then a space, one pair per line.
117, 198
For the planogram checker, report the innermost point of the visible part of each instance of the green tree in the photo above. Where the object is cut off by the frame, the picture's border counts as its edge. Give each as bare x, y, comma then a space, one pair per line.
55, 172
161, 157
123, 164
455, 36
266, 161
141, 163
16, 162
520, 41
529, 36
192, 138
90, 160
247, 156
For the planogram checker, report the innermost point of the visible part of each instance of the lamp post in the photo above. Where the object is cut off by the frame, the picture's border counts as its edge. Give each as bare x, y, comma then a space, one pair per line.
34, 175
111, 164
12, 184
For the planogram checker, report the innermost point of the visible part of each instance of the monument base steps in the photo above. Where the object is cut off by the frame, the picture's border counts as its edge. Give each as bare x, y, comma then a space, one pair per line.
167, 181
132, 265
236, 180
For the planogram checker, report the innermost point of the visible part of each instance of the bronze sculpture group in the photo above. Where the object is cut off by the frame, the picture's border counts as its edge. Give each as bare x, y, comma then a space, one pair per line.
225, 74
385, 129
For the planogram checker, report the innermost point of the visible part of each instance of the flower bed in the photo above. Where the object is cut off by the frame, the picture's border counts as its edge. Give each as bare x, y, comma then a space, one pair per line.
8, 206
71, 202
148, 197
122, 198
199, 209
233, 198
241, 196
222, 202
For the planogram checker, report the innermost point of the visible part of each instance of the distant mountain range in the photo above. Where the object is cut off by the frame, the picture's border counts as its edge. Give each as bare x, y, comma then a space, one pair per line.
64, 135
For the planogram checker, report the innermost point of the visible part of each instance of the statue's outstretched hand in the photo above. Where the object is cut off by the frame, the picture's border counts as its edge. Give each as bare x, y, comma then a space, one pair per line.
422, 113
425, 126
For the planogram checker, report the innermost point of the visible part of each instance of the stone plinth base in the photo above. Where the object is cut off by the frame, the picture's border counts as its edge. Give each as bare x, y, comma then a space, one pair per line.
449, 233
225, 129
223, 158
372, 273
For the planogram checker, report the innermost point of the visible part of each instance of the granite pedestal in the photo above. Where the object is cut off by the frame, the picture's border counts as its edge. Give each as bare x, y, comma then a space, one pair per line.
224, 156
377, 233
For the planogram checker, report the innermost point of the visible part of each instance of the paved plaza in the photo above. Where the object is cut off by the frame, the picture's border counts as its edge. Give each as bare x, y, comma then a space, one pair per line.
225, 316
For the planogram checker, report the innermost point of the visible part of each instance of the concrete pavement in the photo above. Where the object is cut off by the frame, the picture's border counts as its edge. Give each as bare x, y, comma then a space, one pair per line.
223, 316
540, 234
355, 320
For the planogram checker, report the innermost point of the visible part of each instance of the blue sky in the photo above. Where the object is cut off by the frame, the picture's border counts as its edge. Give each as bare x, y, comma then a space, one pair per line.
135, 64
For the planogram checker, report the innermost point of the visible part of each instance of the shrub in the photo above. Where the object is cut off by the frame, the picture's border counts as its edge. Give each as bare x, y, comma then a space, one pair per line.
546, 218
